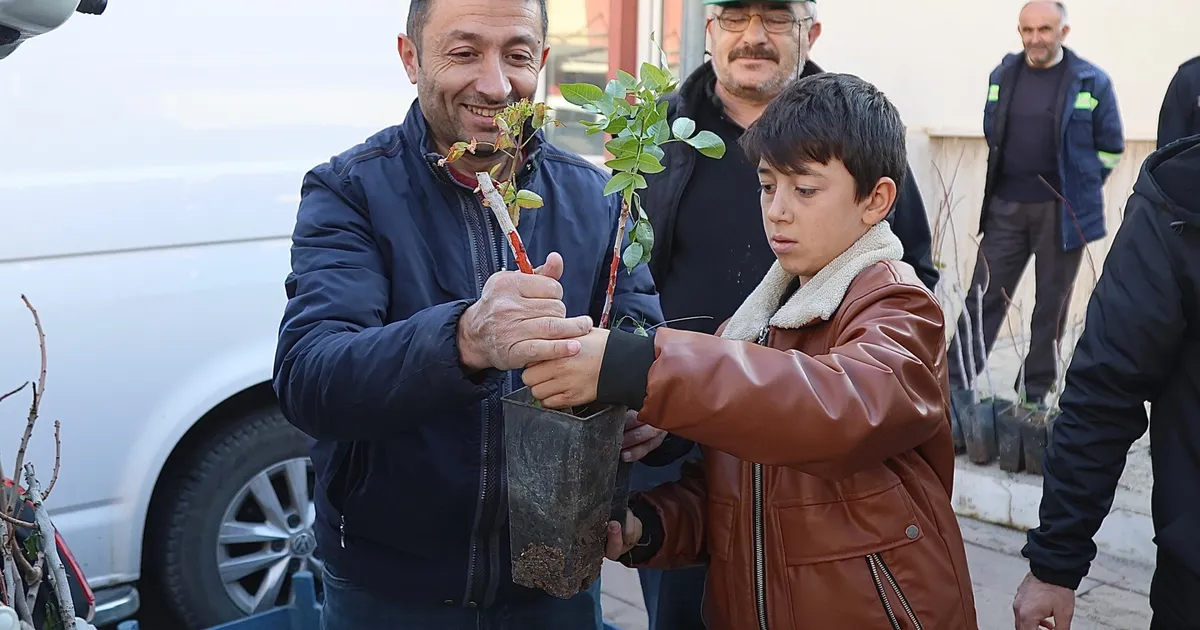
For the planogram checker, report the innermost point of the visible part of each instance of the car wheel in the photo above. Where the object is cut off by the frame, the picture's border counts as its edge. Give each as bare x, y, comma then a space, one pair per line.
237, 523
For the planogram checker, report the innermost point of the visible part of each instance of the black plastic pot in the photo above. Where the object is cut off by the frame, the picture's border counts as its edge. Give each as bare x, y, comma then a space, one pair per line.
962, 405
1011, 421
979, 432
562, 473
1035, 437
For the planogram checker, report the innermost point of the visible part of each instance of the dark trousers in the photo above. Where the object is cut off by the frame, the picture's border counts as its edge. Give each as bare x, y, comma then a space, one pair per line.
1014, 232
349, 606
1174, 596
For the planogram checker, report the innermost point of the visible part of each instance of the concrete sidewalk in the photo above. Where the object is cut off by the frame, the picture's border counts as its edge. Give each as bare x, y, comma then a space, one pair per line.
1115, 595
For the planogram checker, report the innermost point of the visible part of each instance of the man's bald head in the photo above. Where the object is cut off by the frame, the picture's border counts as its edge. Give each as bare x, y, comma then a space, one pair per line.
1043, 27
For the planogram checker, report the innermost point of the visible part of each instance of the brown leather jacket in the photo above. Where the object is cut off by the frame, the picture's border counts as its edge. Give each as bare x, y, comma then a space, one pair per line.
845, 519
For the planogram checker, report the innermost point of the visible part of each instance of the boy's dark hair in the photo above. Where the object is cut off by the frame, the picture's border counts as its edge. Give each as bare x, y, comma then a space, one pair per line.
418, 13
831, 116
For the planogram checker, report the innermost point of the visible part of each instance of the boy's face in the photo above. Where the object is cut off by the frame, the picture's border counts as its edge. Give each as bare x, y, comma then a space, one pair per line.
811, 217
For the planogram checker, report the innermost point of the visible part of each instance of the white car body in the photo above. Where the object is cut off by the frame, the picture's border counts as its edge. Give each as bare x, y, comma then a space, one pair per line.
150, 169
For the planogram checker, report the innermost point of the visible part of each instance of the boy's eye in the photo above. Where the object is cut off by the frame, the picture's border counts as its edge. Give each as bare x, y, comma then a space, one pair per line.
766, 188
806, 192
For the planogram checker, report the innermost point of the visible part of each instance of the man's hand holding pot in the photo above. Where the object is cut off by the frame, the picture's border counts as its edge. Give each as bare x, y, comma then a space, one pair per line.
520, 319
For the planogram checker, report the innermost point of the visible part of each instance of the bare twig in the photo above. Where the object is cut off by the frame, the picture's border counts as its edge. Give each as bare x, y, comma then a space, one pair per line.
54, 564
9, 571
1019, 344
57, 459
23, 386
38, 391
16, 521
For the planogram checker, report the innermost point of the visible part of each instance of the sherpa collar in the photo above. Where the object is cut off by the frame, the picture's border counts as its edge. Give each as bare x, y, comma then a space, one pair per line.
820, 297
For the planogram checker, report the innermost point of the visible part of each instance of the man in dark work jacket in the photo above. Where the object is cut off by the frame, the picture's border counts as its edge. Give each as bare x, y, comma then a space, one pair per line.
1054, 133
709, 250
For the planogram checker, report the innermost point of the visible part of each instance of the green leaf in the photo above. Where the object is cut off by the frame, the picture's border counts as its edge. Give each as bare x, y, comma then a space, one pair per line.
654, 77
643, 232
708, 144
528, 199
617, 125
649, 164
620, 182
661, 132
663, 106
633, 255
640, 331
639, 182
622, 147
650, 149
580, 93
607, 105
622, 164
683, 128
615, 89
628, 81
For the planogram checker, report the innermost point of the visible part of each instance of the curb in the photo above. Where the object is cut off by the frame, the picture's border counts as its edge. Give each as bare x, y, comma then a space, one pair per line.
1011, 500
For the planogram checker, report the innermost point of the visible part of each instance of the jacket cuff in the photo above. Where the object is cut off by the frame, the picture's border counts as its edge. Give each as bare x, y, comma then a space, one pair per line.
651, 541
625, 369
673, 447
1065, 579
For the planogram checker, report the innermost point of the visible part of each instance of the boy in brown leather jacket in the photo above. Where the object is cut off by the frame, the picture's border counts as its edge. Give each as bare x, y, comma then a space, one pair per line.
824, 497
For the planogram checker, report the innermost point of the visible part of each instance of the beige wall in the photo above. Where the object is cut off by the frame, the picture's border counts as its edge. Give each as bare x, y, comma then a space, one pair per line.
933, 57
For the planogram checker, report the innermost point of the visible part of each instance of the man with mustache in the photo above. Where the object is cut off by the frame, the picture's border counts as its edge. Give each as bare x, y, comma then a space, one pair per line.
406, 322
1052, 124
709, 251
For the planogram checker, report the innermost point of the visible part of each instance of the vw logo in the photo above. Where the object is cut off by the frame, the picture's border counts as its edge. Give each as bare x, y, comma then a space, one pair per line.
304, 544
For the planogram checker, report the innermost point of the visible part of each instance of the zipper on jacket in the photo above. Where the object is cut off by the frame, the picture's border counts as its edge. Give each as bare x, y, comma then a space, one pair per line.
760, 560
883, 598
878, 566
887, 573
484, 261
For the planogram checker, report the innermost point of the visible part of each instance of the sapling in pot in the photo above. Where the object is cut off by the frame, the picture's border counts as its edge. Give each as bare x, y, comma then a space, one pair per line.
564, 478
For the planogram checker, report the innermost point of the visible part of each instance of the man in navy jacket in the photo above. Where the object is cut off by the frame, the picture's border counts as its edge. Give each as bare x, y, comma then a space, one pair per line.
1054, 135
405, 325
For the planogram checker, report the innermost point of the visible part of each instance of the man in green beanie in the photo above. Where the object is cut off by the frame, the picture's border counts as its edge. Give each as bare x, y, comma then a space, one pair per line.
709, 250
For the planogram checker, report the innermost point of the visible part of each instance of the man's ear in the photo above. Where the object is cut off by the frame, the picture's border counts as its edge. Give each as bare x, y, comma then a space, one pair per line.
409, 56
1066, 30
879, 203
814, 32
545, 56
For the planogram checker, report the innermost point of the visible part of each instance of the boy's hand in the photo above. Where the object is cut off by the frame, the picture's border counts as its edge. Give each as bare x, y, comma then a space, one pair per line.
569, 381
622, 539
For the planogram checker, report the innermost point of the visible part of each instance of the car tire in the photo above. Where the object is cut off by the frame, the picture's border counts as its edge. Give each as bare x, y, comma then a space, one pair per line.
217, 520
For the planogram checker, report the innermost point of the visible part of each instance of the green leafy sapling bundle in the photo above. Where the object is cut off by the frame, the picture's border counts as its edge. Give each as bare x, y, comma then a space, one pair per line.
632, 111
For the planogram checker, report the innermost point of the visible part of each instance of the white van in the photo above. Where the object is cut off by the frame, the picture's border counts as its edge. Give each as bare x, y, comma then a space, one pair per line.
150, 168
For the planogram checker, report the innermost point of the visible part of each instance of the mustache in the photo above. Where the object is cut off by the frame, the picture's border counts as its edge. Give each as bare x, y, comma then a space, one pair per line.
760, 51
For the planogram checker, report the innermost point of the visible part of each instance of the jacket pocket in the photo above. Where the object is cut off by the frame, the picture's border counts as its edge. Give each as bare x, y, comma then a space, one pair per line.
348, 480
850, 528
834, 552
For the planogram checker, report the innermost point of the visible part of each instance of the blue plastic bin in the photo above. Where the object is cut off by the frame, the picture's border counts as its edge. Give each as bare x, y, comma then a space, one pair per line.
303, 614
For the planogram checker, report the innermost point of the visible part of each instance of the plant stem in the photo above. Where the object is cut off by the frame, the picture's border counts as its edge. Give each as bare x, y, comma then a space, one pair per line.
496, 203
54, 564
606, 314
